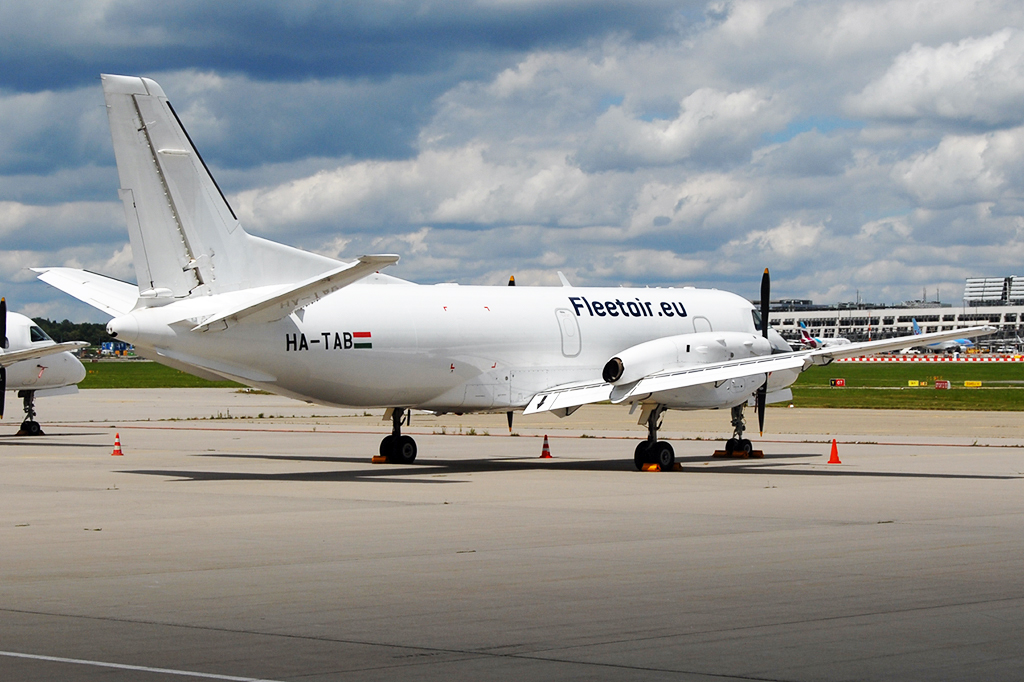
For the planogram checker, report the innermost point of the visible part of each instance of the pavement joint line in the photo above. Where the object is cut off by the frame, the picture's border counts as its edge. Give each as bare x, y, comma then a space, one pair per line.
536, 656
413, 647
136, 668
540, 435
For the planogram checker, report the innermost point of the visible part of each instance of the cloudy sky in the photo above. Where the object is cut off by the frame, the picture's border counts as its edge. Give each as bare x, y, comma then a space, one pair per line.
871, 146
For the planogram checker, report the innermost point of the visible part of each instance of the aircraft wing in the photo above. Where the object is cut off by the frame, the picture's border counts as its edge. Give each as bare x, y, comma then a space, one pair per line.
112, 296
8, 358
574, 395
823, 356
582, 393
282, 302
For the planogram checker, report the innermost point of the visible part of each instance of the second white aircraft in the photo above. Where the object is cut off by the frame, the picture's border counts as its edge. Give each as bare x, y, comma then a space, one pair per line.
218, 302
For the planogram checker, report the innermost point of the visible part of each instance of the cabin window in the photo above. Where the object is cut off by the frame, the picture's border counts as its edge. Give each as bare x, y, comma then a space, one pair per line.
38, 334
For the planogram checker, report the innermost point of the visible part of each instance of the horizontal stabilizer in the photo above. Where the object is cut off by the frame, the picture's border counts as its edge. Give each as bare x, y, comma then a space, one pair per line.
8, 358
281, 302
112, 296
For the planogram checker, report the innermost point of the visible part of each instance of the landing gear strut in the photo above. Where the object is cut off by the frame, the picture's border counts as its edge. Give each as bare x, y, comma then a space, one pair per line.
29, 427
738, 444
652, 450
398, 449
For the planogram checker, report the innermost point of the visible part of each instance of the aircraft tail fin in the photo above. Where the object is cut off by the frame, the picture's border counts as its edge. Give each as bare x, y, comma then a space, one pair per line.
186, 239
917, 329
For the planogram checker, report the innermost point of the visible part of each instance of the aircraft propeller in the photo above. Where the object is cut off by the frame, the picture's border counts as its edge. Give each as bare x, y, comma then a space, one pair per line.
3, 340
511, 283
762, 392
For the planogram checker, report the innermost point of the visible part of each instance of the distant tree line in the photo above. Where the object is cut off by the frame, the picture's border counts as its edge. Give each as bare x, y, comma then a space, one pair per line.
94, 334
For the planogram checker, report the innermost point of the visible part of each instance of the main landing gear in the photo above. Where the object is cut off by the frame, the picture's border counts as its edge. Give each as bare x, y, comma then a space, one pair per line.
398, 449
738, 445
652, 450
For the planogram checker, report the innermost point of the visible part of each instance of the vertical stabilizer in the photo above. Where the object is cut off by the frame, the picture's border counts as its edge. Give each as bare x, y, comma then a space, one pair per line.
185, 237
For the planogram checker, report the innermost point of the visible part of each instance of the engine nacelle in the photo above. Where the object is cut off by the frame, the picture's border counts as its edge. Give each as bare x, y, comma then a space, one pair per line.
684, 350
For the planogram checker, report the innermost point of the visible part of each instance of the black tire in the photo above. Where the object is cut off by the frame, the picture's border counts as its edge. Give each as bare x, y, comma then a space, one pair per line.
731, 446
387, 446
745, 447
31, 428
641, 454
664, 455
404, 450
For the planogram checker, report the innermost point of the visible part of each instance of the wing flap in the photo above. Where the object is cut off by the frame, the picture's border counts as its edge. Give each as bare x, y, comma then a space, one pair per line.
716, 373
283, 301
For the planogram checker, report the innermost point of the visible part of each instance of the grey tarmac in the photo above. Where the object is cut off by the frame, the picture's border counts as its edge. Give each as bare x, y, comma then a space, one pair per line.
239, 547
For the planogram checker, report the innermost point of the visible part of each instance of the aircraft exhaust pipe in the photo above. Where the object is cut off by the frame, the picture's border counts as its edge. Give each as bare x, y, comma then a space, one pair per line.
613, 370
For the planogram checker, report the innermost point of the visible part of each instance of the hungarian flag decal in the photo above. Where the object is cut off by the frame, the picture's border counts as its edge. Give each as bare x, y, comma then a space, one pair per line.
362, 340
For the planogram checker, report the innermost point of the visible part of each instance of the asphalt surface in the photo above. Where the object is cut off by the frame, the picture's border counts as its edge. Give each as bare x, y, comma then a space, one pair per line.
271, 548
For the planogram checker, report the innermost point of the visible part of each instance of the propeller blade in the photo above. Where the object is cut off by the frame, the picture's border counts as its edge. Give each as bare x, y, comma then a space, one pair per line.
3, 390
509, 415
3, 322
762, 392
766, 286
762, 399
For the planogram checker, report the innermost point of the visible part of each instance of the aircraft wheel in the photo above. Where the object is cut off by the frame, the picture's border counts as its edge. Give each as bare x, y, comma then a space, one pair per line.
387, 446
403, 450
731, 446
744, 447
641, 454
663, 455
31, 428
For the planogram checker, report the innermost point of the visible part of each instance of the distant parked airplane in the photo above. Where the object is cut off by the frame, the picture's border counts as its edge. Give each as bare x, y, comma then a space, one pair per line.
23, 369
953, 344
809, 341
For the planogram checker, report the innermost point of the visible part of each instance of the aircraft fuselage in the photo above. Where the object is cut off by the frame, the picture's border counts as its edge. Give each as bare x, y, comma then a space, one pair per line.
447, 347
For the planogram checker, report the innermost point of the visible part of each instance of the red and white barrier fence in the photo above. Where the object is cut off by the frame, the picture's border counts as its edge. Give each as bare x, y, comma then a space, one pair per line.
925, 358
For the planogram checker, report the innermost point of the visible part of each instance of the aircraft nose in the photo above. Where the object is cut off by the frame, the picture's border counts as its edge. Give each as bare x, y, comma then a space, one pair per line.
124, 328
76, 371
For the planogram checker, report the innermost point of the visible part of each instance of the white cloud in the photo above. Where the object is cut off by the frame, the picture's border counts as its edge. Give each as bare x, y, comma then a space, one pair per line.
975, 79
719, 125
965, 169
791, 239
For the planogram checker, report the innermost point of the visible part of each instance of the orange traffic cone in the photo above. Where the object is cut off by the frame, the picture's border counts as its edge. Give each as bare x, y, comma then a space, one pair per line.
545, 452
117, 446
834, 457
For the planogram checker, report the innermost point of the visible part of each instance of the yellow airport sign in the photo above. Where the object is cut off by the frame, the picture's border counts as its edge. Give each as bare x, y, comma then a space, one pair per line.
972, 384
913, 382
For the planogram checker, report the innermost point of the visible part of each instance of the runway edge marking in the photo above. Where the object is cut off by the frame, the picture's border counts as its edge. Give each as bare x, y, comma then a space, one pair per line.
125, 666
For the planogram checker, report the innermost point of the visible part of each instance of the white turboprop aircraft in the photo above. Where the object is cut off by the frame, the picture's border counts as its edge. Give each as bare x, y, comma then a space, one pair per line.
217, 302
23, 369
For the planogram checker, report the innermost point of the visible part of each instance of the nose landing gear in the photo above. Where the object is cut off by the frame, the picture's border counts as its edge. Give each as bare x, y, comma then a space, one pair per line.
396, 448
29, 427
738, 446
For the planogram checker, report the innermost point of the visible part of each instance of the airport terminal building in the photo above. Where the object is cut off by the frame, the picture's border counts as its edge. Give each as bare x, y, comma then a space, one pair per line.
995, 301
